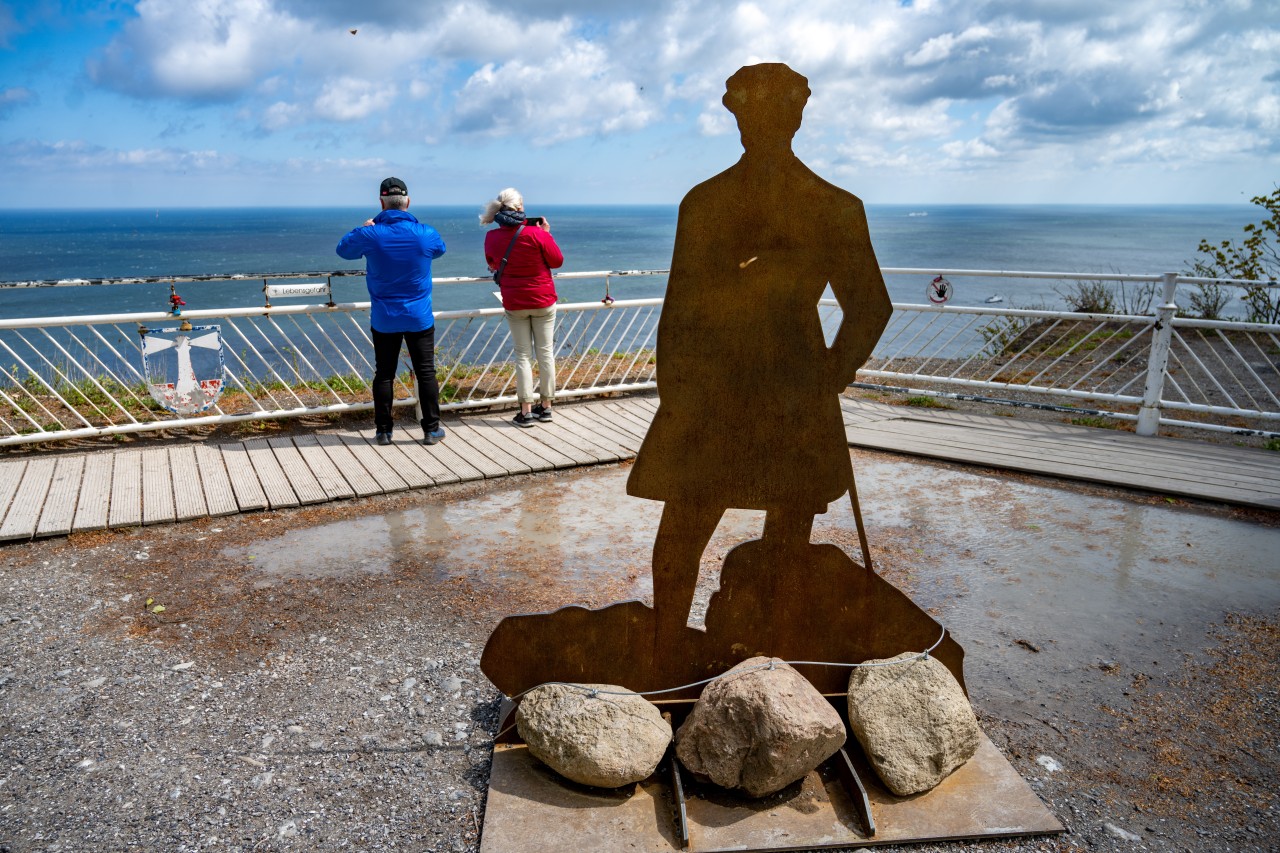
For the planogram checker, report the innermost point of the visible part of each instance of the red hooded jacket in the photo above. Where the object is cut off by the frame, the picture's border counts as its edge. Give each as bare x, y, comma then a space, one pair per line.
526, 280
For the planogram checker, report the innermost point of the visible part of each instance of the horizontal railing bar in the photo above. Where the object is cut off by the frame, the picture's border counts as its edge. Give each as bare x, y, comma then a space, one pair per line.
1083, 276
1229, 325
982, 398
357, 273
273, 276
260, 311
1005, 386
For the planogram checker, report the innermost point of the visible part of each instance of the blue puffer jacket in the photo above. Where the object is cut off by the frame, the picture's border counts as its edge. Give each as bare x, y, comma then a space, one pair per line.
398, 250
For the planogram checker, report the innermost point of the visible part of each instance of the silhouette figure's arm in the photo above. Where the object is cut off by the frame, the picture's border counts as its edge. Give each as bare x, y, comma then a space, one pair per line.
859, 288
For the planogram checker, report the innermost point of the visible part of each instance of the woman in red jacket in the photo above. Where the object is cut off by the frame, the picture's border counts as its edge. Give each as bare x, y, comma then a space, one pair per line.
525, 254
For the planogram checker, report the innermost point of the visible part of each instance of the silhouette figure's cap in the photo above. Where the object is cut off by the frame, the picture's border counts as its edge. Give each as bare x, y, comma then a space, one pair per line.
767, 84
393, 186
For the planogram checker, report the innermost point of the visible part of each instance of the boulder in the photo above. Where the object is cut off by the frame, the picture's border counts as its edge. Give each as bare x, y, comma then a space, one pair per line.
914, 722
607, 739
759, 730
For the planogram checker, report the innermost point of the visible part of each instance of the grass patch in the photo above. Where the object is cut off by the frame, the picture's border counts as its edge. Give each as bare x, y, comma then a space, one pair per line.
923, 402
1094, 421
1272, 444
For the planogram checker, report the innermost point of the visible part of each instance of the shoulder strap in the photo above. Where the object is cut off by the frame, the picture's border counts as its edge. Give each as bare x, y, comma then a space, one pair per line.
502, 266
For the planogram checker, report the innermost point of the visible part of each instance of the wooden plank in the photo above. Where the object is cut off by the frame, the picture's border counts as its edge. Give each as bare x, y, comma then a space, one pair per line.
10, 479
1143, 453
602, 425
462, 444
371, 460
427, 460
490, 443
126, 490
326, 473
650, 403
517, 441
532, 441
978, 453
60, 504
157, 486
1108, 457
95, 492
301, 480
456, 462
275, 483
396, 455
611, 450
215, 482
28, 500
582, 445
188, 489
628, 418
345, 461
243, 477
565, 443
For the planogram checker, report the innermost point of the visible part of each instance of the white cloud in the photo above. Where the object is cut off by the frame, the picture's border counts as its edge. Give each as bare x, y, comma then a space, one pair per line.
350, 99
13, 97
571, 95
935, 84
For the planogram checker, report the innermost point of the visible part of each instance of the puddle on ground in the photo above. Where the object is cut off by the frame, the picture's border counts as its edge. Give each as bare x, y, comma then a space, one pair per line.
1085, 576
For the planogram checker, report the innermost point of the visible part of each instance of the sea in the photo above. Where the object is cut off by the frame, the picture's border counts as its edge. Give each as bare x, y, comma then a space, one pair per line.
45, 245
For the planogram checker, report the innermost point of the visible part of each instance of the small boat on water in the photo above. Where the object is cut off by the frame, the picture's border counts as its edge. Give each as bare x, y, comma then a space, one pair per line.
919, 213
991, 300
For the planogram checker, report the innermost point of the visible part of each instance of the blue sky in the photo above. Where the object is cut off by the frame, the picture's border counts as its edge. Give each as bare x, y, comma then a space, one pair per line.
277, 102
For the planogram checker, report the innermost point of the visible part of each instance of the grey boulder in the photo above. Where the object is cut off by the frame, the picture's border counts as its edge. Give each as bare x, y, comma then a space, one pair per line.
608, 739
914, 722
758, 730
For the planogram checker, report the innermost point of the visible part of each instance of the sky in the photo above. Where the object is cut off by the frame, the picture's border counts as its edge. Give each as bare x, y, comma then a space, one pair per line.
195, 103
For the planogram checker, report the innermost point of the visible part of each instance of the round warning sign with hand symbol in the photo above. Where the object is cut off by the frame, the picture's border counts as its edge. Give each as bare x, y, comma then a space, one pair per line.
940, 290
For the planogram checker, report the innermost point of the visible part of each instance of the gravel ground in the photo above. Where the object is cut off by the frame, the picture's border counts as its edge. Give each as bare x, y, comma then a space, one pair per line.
349, 712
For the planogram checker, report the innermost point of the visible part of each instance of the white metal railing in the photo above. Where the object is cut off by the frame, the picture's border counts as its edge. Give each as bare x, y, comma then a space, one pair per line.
1141, 365
79, 376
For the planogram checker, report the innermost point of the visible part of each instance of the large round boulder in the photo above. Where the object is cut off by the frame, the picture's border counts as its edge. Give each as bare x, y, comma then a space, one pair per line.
758, 729
914, 722
606, 739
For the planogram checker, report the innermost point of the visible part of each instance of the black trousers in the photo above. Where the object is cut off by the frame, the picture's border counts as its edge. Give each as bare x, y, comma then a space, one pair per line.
386, 360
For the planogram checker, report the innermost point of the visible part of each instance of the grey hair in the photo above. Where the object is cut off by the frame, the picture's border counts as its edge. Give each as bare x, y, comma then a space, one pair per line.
396, 202
508, 199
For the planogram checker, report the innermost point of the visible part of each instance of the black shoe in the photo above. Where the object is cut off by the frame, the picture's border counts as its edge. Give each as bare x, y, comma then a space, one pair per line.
384, 438
435, 436
523, 420
542, 413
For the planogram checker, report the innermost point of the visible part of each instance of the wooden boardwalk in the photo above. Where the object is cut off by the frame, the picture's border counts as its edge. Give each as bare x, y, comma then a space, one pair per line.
55, 495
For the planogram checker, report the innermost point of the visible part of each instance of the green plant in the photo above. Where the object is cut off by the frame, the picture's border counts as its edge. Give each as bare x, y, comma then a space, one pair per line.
1088, 297
1272, 444
1255, 258
923, 402
1208, 302
1094, 421
1000, 334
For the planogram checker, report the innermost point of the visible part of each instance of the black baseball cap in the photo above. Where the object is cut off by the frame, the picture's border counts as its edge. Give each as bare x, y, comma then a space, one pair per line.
394, 186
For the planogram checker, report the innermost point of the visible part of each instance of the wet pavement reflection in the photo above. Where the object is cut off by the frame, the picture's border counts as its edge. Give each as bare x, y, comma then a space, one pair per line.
1024, 572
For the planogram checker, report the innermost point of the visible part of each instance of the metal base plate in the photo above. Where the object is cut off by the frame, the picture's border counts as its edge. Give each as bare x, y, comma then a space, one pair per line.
532, 809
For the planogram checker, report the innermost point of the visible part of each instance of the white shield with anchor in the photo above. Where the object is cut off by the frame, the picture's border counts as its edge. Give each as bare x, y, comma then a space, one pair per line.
183, 366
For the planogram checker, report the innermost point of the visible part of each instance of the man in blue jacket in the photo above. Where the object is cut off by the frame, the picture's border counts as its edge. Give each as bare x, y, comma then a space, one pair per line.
398, 250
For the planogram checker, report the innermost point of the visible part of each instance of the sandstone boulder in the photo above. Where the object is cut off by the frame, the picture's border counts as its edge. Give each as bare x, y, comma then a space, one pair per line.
914, 722
758, 731
606, 740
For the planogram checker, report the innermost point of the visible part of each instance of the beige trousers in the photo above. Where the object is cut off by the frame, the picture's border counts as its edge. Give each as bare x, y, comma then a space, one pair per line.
532, 333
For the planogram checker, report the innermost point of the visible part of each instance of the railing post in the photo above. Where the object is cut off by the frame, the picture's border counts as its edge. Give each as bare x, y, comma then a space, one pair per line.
1158, 358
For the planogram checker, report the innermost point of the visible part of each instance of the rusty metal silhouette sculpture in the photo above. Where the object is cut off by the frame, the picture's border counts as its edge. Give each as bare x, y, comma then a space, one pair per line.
749, 415
749, 418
